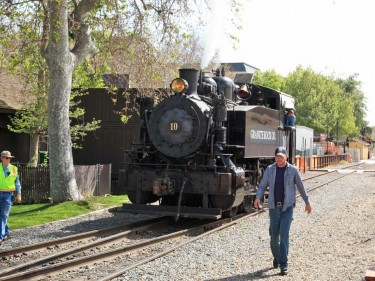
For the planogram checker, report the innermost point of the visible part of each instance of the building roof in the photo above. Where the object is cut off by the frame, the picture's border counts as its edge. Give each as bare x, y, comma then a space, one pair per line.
13, 93
361, 141
240, 72
239, 67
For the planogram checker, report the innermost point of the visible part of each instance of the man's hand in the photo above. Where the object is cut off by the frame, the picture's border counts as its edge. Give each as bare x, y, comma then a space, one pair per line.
18, 198
308, 208
257, 204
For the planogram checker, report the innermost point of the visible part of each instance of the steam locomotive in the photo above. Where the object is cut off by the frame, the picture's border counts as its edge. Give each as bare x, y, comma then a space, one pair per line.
202, 151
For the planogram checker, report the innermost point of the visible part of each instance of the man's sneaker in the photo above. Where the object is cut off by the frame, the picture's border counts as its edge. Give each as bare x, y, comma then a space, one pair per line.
275, 263
284, 271
6, 237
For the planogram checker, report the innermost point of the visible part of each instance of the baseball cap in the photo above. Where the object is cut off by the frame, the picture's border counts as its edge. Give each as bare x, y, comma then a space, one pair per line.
280, 151
6, 153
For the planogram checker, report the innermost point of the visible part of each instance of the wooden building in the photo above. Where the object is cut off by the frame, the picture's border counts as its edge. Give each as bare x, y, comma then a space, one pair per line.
106, 145
359, 148
13, 96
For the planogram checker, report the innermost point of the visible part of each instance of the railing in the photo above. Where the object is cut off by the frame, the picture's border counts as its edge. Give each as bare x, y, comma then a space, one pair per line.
317, 162
93, 180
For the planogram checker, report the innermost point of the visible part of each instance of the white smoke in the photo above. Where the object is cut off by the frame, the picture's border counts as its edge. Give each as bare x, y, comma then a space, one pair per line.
214, 35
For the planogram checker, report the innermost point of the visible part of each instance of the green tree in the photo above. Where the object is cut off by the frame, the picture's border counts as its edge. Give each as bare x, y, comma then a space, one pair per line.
320, 102
351, 87
29, 66
269, 79
31, 120
323, 103
22, 58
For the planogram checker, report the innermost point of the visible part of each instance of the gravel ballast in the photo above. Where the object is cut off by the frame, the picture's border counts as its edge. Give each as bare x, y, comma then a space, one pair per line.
335, 242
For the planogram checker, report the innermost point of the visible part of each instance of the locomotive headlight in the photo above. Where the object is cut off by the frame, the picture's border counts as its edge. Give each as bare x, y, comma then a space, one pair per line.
179, 86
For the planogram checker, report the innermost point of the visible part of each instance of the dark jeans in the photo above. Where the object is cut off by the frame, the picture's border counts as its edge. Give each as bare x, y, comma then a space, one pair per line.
280, 223
5, 205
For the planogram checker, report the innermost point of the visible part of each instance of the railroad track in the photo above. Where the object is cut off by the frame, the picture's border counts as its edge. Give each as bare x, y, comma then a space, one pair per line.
66, 247
198, 233
108, 250
358, 167
79, 238
55, 267
329, 178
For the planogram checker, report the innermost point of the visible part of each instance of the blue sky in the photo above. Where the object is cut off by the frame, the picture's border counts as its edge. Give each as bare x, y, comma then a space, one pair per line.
330, 36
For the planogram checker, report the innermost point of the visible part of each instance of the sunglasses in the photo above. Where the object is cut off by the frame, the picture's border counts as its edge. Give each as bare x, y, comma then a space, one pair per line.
6, 158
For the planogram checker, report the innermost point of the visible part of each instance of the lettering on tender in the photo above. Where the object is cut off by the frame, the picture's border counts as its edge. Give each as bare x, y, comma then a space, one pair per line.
262, 135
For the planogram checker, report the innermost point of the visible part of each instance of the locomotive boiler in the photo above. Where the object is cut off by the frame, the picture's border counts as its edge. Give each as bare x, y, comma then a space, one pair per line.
202, 151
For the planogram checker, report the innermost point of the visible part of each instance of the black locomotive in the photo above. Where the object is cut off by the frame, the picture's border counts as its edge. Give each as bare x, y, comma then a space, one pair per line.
202, 150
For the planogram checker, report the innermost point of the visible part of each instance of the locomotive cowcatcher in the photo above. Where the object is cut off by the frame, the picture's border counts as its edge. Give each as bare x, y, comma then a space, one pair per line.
202, 151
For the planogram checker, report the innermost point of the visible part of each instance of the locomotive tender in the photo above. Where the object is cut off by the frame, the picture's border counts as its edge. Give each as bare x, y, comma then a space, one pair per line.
202, 151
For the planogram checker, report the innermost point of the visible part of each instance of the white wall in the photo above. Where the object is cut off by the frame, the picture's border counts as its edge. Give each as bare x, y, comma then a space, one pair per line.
304, 138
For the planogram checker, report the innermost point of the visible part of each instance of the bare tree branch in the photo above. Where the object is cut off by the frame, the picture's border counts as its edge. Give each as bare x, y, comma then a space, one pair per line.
84, 42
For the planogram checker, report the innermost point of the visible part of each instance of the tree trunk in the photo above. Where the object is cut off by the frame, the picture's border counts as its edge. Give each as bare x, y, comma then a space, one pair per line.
33, 153
63, 182
60, 64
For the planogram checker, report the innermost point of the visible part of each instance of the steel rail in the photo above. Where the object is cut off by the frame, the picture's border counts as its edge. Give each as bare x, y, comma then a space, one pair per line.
321, 185
334, 170
48, 259
75, 237
231, 221
48, 269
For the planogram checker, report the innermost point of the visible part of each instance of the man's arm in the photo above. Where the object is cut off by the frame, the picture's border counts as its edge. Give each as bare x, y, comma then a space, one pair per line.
303, 192
261, 189
18, 189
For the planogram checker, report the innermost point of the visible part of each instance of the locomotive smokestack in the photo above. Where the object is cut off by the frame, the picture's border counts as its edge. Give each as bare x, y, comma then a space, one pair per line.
191, 76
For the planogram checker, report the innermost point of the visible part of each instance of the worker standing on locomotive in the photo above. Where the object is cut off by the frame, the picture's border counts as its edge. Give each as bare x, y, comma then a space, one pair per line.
282, 179
290, 119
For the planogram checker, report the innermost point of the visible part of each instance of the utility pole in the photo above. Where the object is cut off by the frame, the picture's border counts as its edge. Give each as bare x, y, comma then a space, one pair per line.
327, 135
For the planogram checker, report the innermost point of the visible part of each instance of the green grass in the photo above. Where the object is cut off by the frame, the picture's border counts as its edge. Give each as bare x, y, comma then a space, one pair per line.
22, 216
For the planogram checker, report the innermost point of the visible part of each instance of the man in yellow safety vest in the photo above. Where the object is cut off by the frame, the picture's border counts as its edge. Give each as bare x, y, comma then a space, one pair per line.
9, 184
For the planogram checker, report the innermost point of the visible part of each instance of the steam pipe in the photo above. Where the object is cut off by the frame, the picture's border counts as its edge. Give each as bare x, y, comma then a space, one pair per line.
180, 199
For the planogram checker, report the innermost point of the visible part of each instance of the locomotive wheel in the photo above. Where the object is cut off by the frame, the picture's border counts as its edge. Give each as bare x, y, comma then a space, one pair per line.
247, 204
230, 213
146, 197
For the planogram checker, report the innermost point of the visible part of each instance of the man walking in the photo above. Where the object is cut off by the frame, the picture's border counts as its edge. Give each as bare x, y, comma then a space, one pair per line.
282, 179
9, 184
